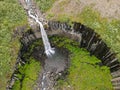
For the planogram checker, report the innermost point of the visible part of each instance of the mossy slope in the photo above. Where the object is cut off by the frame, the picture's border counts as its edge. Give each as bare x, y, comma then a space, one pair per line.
28, 75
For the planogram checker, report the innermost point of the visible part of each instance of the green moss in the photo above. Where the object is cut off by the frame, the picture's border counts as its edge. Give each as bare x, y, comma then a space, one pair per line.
85, 74
28, 84
32, 69
16, 85
28, 75
31, 74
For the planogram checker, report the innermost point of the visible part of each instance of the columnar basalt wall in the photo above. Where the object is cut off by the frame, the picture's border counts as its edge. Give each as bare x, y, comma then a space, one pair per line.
96, 46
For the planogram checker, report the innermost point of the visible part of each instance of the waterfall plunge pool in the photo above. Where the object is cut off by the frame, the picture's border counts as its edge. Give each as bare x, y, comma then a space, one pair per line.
81, 71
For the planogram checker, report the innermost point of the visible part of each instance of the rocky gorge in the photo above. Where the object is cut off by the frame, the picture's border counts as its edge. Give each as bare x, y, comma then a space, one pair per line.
85, 36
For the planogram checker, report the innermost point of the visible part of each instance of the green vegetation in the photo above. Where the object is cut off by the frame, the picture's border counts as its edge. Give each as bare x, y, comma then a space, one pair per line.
11, 16
84, 73
64, 18
50, 15
27, 75
44, 5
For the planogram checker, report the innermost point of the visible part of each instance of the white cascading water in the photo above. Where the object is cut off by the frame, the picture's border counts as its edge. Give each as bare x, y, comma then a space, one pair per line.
48, 49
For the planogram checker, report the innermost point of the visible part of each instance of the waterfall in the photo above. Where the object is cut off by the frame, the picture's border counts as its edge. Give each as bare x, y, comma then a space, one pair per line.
48, 49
